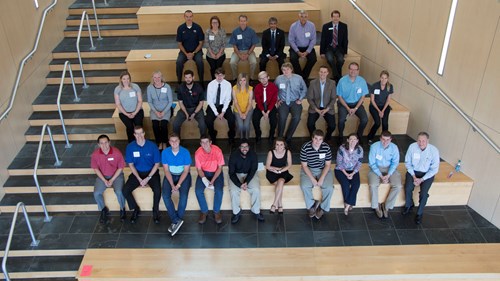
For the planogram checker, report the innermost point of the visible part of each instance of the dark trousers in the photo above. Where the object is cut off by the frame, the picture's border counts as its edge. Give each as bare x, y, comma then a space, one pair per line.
132, 183
283, 110
377, 119
273, 122
215, 63
131, 123
330, 123
264, 59
424, 191
311, 61
181, 117
335, 59
349, 187
361, 113
181, 60
210, 120
160, 130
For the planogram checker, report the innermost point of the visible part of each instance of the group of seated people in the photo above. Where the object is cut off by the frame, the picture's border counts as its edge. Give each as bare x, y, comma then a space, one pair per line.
144, 159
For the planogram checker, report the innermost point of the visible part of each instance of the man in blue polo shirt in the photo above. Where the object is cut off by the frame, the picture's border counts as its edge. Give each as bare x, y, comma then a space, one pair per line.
143, 159
190, 38
243, 40
351, 91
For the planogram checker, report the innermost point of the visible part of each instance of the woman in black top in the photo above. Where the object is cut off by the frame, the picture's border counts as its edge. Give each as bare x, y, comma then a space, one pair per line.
279, 161
380, 96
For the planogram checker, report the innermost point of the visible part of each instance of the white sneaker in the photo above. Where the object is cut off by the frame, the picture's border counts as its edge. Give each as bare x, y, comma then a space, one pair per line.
176, 227
171, 227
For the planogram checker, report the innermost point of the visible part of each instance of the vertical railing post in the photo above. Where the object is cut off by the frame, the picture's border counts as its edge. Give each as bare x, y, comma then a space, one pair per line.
97, 21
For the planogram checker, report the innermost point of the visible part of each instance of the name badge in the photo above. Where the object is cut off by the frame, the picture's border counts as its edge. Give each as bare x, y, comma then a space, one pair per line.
378, 157
239, 36
322, 155
132, 94
358, 91
376, 92
308, 34
111, 159
416, 156
211, 37
282, 86
331, 28
137, 154
164, 90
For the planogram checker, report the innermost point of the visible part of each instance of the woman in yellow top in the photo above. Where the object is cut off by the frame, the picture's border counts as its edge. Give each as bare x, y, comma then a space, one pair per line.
242, 101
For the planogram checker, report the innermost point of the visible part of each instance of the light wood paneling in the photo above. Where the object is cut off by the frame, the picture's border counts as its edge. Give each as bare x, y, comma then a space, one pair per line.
418, 102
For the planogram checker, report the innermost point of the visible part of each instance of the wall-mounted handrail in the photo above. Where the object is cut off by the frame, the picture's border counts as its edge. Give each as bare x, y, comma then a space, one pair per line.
23, 62
34, 242
97, 20
67, 65
429, 80
35, 169
84, 17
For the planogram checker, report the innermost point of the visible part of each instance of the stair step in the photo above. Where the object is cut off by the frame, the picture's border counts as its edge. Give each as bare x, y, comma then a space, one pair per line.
82, 132
50, 184
89, 64
43, 263
72, 117
95, 97
102, 9
109, 19
112, 31
92, 77
49, 198
104, 27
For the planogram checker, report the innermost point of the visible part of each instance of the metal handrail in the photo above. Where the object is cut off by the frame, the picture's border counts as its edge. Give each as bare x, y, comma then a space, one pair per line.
84, 16
429, 80
35, 169
77, 99
97, 20
34, 242
23, 62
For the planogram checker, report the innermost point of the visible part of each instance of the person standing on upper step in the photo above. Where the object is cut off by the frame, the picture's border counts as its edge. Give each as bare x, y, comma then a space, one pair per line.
333, 44
190, 38
159, 96
302, 38
384, 161
351, 92
273, 45
243, 40
108, 164
128, 100
422, 165
143, 159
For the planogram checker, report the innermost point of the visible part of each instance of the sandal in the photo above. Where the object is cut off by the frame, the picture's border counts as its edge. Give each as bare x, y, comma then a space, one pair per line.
280, 210
273, 209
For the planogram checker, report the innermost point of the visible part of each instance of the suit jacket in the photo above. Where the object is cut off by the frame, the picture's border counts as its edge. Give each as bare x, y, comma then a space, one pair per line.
329, 95
327, 37
280, 42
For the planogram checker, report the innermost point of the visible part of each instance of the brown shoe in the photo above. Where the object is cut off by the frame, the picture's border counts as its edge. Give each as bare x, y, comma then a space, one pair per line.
203, 218
312, 211
319, 213
385, 211
378, 212
218, 218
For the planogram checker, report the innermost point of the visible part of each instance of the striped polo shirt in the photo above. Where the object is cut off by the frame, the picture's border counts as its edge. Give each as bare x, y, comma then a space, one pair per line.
315, 159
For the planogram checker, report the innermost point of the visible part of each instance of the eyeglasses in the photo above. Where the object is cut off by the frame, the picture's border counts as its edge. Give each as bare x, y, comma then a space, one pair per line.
244, 146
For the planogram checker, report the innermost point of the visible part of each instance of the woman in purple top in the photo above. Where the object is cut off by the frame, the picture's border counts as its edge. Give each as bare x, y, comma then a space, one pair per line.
349, 159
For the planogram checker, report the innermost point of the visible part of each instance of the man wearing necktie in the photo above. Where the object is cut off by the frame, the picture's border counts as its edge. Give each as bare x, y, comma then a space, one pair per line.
321, 95
333, 44
273, 44
218, 100
266, 95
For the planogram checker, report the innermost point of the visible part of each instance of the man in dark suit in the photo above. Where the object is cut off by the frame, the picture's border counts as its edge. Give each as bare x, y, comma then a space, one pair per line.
321, 96
273, 43
334, 44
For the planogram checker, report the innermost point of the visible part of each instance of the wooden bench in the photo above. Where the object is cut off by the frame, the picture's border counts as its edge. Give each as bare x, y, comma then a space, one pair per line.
141, 68
409, 262
164, 20
398, 123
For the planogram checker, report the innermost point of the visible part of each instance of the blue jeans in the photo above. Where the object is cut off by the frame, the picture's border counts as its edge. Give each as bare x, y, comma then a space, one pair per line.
218, 188
174, 215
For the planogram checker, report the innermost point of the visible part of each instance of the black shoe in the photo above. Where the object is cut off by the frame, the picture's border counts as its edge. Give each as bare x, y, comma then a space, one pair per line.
407, 210
257, 139
123, 215
104, 215
259, 217
156, 217
236, 218
135, 215
418, 219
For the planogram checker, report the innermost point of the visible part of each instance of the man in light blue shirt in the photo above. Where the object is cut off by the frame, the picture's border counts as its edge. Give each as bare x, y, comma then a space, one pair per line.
243, 40
351, 92
302, 38
422, 164
384, 160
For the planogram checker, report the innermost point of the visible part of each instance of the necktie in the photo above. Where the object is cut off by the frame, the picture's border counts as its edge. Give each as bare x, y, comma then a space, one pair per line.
335, 40
265, 99
217, 99
288, 92
273, 42
321, 89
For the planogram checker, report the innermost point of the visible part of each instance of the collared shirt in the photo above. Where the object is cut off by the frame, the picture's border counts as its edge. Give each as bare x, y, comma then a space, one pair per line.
107, 163
238, 164
291, 89
425, 161
190, 98
383, 157
302, 36
243, 39
315, 159
128, 98
350, 91
159, 99
225, 95
379, 94
349, 160
209, 162
271, 96
143, 157
176, 162
190, 37
215, 41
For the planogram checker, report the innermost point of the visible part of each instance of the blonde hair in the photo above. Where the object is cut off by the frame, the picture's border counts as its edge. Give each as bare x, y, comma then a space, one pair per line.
388, 85
238, 84
156, 72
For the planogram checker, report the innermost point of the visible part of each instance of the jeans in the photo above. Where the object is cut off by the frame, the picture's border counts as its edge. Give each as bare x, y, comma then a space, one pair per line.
424, 191
218, 188
349, 187
294, 109
183, 192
